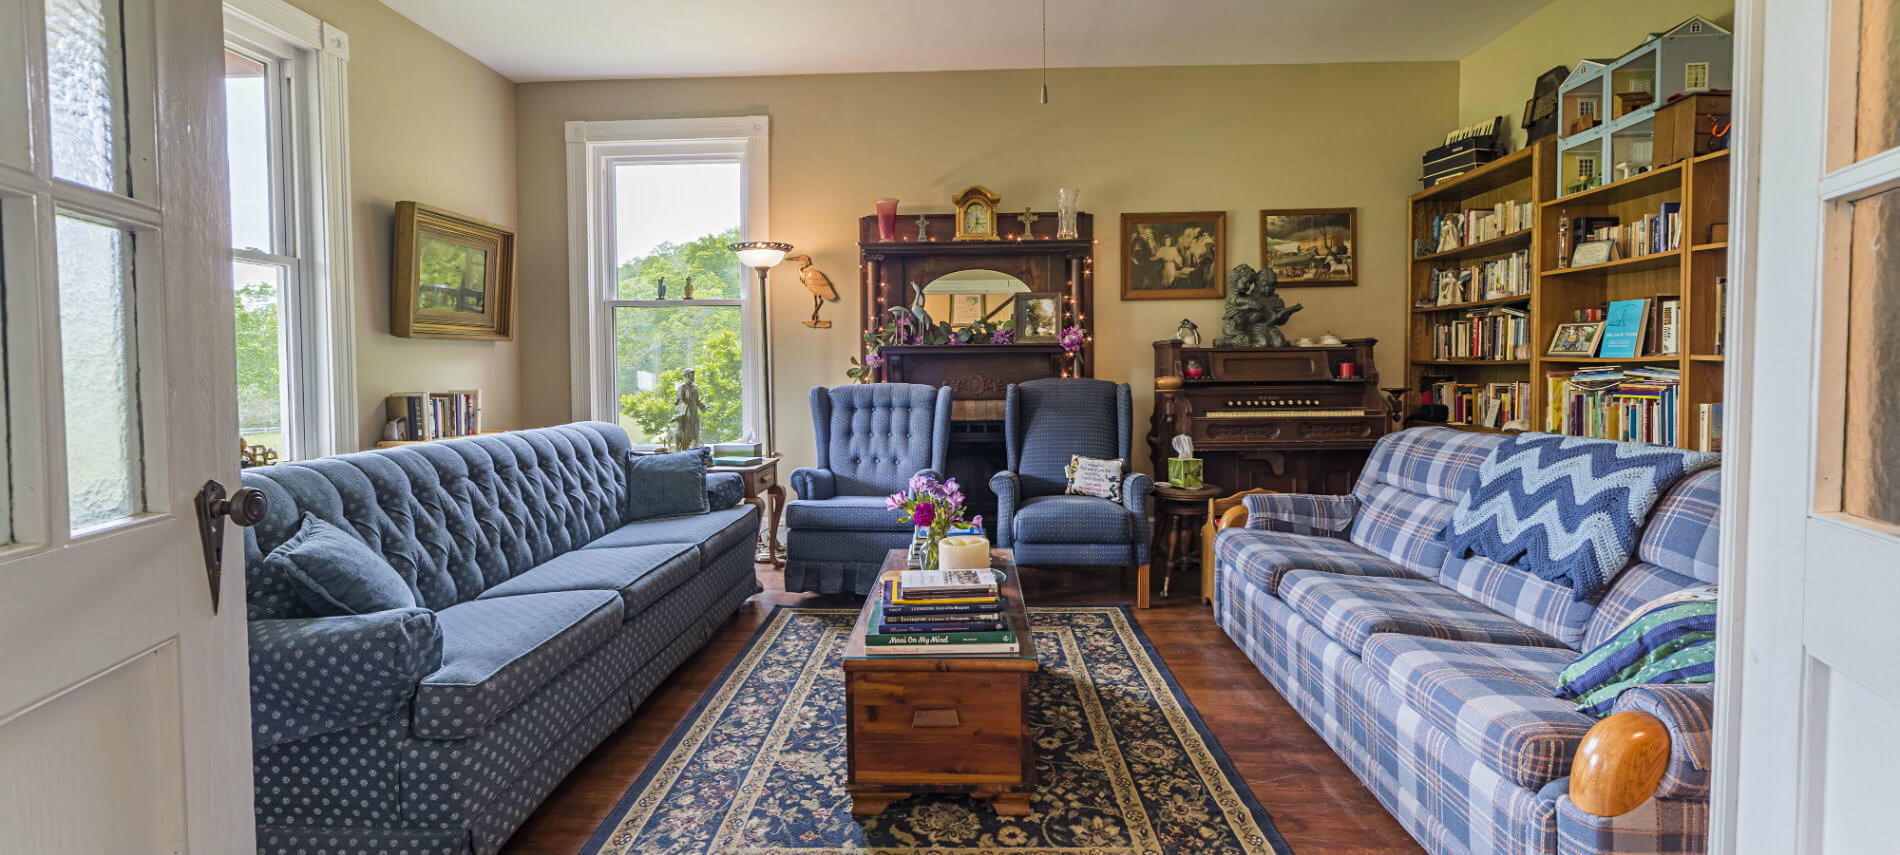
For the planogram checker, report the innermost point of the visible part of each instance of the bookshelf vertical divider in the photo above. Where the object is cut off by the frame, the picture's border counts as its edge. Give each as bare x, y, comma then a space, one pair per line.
1689, 273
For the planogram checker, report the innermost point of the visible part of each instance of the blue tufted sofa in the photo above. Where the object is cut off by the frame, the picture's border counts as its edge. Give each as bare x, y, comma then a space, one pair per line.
546, 618
1431, 674
871, 439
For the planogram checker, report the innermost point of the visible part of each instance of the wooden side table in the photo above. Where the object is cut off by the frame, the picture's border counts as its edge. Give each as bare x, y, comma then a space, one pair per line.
1178, 514
761, 481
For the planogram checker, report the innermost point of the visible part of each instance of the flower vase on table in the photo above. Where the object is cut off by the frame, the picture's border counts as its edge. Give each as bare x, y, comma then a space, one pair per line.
936, 509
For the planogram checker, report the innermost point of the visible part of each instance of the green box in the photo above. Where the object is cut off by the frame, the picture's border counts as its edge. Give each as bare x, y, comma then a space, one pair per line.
1184, 472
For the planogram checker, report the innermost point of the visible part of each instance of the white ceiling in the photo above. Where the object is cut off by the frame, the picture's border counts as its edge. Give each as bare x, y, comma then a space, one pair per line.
578, 39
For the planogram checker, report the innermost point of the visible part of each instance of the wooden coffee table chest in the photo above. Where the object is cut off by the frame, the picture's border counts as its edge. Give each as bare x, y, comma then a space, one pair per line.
951, 724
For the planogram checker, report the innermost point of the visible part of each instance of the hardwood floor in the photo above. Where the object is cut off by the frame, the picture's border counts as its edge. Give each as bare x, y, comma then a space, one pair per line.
1313, 798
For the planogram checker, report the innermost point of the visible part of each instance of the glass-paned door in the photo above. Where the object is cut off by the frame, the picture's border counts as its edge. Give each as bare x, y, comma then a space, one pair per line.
118, 676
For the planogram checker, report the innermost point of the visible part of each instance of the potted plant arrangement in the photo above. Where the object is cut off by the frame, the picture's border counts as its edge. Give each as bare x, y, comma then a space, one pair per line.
936, 508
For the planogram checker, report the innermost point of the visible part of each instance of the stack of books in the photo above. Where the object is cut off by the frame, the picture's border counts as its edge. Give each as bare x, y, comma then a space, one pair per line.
940, 613
737, 453
1611, 402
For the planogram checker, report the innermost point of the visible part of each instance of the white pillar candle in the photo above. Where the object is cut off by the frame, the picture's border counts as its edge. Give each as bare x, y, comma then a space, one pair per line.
964, 552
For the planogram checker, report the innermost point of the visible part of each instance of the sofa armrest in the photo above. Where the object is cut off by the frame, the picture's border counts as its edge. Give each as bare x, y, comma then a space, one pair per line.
1657, 743
1687, 712
724, 490
1300, 513
1136, 487
311, 676
811, 483
1009, 490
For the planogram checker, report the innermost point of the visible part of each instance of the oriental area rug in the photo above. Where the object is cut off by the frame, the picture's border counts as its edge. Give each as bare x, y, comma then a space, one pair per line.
1123, 761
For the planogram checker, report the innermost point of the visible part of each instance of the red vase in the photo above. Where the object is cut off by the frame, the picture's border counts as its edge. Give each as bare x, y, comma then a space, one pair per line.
886, 218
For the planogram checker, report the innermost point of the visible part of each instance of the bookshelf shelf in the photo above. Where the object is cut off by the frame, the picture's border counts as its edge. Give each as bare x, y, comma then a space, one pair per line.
1705, 357
1496, 246
1503, 172
1710, 247
1633, 187
1475, 304
1652, 261
1652, 359
1471, 362
1481, 428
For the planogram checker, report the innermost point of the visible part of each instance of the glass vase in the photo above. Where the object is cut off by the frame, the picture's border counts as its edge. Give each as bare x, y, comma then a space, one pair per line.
886, 218
1065, 213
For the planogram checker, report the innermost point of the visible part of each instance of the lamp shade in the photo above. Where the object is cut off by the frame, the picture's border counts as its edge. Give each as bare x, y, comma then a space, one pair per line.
760, 253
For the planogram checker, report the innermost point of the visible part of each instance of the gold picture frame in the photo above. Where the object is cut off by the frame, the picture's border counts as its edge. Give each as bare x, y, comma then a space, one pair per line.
453, 277
976, 213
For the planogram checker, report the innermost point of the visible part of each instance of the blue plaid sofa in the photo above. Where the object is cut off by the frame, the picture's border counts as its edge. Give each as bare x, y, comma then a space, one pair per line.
1431, 675
546, 618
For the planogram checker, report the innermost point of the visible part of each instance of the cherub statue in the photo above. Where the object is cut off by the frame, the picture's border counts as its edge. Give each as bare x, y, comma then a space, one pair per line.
687, 406
1254, 310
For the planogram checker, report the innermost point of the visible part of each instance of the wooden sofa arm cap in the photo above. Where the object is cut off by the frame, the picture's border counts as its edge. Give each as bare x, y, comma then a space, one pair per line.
1232, 517
1619, 764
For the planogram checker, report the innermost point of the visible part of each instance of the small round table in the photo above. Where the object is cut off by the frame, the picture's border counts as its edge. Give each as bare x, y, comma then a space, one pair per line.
1179, 512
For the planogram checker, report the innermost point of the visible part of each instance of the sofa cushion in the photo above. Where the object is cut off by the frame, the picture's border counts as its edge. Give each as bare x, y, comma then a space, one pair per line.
1407, 528
1430, 461
1634, 588
1493, 698
1684, 532
640, 574
334, 573
713, 532
844, 513
1548, 607
1267, 556
497, 652
665, 485
1073, 519
724, 490
1351, 609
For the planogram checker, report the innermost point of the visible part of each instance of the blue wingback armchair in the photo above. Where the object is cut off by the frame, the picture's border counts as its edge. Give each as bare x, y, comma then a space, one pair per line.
871, 439
1045, 422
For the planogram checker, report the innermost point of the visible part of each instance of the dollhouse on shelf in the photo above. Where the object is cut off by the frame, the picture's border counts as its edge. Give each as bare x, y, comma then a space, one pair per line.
1609, 106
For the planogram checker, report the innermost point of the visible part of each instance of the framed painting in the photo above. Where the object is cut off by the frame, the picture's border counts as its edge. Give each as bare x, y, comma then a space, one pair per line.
1038, 316
1310, 246
454, 276
1174, 256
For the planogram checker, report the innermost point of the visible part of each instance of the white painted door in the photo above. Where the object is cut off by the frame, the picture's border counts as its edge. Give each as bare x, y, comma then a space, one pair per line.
123, 700
1819, 711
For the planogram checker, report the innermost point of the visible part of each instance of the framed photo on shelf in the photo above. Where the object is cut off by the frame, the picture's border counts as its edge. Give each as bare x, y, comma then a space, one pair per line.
1038, 316
1310, 246
1576, 339
1593, 252
1175, 256
454, 276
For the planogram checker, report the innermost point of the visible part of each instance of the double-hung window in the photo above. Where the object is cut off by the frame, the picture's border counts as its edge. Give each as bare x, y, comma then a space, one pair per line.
283, 89
657, 293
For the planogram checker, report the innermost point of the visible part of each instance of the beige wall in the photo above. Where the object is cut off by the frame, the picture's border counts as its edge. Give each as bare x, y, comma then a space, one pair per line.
1133, 139
1496, 80
428, 124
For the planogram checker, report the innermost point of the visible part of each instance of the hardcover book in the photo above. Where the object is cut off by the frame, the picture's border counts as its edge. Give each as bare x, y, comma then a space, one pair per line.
1623, 329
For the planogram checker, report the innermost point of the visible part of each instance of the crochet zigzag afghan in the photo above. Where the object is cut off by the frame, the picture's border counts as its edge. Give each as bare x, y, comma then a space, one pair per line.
1569, 506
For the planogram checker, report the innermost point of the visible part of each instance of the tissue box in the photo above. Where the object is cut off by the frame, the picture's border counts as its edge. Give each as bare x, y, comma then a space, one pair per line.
1184, 471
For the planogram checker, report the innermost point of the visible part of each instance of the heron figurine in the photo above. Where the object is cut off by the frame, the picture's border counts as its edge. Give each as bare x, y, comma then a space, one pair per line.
818, 284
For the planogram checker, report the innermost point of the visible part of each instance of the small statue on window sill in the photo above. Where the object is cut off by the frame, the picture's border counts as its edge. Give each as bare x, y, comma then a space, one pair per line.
687, 407
1254, 311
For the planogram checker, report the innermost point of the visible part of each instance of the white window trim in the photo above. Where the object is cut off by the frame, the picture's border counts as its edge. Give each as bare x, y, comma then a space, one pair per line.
591, 149
326, 379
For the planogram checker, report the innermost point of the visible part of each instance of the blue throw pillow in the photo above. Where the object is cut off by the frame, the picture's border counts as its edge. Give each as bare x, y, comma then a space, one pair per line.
668, 485
335, 574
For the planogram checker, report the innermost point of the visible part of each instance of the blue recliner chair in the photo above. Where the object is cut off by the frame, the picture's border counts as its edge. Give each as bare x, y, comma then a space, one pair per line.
871, 439
1045, 422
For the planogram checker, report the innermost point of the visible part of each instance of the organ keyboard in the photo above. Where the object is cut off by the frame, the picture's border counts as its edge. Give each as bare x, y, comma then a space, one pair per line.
1283, 418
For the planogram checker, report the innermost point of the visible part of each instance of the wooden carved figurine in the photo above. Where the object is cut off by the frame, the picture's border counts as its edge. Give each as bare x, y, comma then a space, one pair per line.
687, 406
818, 284
1254, 310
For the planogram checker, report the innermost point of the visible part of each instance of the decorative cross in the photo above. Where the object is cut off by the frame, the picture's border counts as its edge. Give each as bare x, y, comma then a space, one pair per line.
1029, 221
923, 227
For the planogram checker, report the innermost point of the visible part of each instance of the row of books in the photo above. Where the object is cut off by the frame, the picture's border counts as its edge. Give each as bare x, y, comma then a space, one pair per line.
437, 415
941, 613
1498, 333
1612, 402
1594, 240
1505, 277
1477, 225
1491, 405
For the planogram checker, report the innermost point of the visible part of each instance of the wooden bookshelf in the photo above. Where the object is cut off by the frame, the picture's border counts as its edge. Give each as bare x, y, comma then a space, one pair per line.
1524, 176
1689, 272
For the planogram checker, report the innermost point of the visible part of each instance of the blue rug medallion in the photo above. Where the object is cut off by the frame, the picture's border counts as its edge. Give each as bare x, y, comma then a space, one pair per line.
1124, 764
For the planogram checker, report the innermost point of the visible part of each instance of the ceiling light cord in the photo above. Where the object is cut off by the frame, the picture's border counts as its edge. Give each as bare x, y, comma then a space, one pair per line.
1045, 51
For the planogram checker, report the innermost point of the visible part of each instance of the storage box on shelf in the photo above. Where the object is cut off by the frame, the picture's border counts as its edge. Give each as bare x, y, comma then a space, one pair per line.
1472, 306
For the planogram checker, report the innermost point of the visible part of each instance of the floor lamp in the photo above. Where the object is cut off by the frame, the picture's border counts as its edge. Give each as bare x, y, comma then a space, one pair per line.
762, 256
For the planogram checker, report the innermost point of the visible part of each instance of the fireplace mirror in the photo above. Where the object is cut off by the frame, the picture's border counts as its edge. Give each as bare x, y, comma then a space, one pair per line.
966, 297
